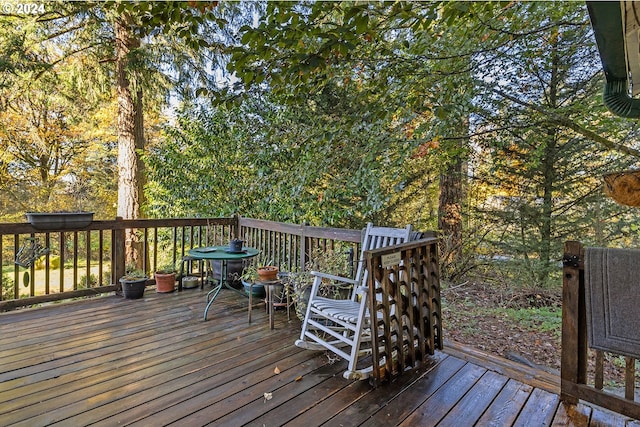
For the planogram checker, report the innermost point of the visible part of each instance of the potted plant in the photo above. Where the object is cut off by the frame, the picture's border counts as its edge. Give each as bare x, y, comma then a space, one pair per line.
249, 277
299, 283
165, 278
133, 284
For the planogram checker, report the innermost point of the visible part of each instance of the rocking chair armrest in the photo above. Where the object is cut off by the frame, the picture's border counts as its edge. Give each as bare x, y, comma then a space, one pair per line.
334, 277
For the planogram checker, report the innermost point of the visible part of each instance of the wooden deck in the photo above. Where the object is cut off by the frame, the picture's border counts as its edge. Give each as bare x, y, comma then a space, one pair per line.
151, 362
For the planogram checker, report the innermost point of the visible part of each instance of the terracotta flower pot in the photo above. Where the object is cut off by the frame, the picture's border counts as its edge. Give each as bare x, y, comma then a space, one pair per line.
267, 273
165, 282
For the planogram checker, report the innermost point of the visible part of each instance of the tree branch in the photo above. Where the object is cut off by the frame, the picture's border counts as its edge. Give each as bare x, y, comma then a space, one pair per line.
568, 123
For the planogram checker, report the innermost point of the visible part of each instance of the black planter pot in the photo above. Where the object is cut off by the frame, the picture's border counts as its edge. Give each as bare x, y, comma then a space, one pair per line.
133, 289
257, 290
234, 271
59, 220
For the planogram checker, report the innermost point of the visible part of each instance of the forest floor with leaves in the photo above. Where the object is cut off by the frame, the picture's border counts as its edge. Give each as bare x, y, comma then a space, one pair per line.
521, 325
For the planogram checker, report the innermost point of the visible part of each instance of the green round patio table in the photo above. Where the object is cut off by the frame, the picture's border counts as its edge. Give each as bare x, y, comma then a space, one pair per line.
222, 254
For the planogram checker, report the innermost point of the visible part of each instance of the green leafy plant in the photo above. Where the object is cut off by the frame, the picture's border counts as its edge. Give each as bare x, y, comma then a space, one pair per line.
250, 271
134, 275
7, 287
298, 284
87, 282
166, 269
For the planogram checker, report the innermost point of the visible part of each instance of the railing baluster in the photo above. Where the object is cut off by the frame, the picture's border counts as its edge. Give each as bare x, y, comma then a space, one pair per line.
32, 272
47, 265
100, 260
75, 261
16, 245
630, 378
87, 242
146, 267
62, 242
174, 248
599, 370
155, 265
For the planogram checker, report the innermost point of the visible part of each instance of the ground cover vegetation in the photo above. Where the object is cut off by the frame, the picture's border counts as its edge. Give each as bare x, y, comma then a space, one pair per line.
482, 120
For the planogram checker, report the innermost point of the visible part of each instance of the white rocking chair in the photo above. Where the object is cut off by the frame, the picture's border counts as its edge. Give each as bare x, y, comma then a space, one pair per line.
343, 326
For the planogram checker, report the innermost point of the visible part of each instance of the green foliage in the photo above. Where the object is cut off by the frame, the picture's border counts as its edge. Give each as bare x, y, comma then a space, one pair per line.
542, 178
286, 164
544, 319
299, 283
166, 269
134, 274
87, 282
54, 262
57, 74
7, 287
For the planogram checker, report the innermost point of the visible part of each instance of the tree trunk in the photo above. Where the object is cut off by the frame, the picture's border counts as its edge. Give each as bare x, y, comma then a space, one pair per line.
130, 137
450, 211
549, 177
450, 218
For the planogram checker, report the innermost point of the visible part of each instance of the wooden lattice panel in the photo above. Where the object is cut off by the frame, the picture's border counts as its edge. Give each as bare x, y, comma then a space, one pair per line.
406, 300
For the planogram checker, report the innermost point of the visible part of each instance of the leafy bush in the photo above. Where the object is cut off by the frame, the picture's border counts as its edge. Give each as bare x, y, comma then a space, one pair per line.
299, 283
54, 263
7, 287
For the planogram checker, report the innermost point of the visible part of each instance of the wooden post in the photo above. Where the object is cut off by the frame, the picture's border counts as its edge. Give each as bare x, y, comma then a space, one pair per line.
235, 227
574, 344
118, 251
303, 247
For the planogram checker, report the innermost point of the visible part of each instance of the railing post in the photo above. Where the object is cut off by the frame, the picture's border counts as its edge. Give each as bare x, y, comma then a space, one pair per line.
236, 227
303, 247
118, 251
573, 369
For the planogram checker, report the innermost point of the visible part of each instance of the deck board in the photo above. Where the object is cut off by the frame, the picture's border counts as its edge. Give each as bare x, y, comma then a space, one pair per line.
432, 410
471, 407
506, 406
108, 361
539, 409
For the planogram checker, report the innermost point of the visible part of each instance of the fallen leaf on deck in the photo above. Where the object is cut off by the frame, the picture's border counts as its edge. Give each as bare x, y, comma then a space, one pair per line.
268, 396
299, 378
276, 371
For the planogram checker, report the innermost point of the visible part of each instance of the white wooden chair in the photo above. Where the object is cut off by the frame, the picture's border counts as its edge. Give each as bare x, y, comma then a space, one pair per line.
343, 326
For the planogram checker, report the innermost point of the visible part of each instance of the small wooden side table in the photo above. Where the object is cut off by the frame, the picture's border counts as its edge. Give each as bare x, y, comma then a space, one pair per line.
270, 303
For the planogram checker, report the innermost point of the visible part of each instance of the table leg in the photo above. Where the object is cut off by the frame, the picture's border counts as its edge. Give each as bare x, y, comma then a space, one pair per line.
201, 266
250, 300
213, 293
286, 291
181, 276
270, 304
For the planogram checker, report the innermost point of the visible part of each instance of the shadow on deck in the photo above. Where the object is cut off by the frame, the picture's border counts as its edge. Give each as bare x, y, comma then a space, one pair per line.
154, 361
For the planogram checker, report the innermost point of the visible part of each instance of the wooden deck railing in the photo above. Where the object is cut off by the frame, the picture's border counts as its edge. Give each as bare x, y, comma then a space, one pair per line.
577, 358
291, 246
89, 261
